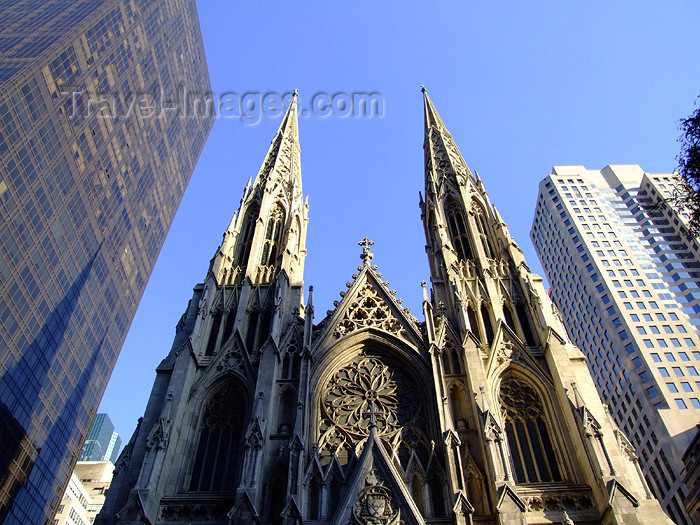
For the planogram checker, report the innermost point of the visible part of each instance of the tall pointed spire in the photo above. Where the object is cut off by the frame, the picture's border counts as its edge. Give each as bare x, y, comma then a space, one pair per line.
442, 158
283, 156
454, 238
432, 118
268, 232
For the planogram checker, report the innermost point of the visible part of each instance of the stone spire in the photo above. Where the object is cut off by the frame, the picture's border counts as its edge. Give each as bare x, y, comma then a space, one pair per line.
267, 234
442, 158
283, 157
432, 118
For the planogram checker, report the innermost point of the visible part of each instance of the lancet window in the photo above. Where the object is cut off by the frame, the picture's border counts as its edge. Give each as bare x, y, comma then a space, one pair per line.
259, 322
458, 406
508, 314
287, 410
483, 232
246, 237
488, 327
276, 490
531, 449
214, 332
273, 237
228, 325
473, 323
458, 231
525, 324
218, 450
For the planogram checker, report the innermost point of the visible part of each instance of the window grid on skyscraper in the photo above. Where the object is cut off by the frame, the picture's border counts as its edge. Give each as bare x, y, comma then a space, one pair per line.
85, 204
588, 260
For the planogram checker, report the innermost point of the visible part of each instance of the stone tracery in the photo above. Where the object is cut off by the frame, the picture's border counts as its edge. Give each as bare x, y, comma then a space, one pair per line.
369, 386
353, 388
531, 449
368, 309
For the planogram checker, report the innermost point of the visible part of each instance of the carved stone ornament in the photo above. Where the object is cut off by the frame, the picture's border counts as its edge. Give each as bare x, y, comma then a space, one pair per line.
158, 437
203, 308
368, 309
232, 361
625, 446
509, 352
375, 504
556, 502
589, 425
446, 157
254, 437
492, 430
188, 511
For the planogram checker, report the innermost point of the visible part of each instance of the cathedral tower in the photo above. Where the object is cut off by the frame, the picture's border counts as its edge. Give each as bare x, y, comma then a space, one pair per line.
526, 435
200, 440
483, 413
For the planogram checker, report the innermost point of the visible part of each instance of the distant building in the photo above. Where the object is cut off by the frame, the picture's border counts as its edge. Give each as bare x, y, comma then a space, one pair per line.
88, 188
627, 279
102, 442
85, 493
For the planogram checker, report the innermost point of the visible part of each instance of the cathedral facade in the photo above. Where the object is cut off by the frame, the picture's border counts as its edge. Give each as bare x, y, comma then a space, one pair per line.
484, 412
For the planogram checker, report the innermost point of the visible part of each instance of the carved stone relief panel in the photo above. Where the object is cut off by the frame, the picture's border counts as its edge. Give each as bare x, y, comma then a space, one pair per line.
375, 503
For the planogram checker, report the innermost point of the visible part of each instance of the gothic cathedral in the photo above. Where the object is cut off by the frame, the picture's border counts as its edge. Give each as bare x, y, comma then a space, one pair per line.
483, 413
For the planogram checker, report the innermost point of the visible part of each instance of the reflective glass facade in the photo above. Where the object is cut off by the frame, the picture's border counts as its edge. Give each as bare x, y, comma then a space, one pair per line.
92, 169
102, 442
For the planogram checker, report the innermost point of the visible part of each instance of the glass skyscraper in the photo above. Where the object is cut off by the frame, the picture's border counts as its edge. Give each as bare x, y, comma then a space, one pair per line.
97, 145
624, 273
102, 442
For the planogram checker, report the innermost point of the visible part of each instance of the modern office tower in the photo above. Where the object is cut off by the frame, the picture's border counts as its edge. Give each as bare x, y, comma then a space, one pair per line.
625, 275
113, 448
92, 170
102, 442
484, 413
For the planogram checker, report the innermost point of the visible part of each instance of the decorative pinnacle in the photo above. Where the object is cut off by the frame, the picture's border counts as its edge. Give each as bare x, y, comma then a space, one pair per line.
577, 396
424, 285
423, 89
295, 92
366, 255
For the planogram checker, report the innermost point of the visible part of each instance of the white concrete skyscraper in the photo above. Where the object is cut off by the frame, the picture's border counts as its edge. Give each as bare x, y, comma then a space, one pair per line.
625, 275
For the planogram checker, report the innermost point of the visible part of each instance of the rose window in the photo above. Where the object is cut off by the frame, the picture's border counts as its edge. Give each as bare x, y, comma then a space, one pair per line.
363, 393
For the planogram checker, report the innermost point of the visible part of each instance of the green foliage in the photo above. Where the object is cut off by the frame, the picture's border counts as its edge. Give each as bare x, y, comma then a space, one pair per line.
687, 192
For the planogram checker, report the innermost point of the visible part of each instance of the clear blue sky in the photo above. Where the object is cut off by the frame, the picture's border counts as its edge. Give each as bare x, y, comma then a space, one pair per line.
522, 86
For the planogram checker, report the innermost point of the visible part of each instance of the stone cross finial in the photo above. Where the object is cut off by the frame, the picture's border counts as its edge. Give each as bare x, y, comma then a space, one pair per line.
372, 413
366, 255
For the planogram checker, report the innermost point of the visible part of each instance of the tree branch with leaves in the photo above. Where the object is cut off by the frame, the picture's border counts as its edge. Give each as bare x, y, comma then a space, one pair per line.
686, 194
